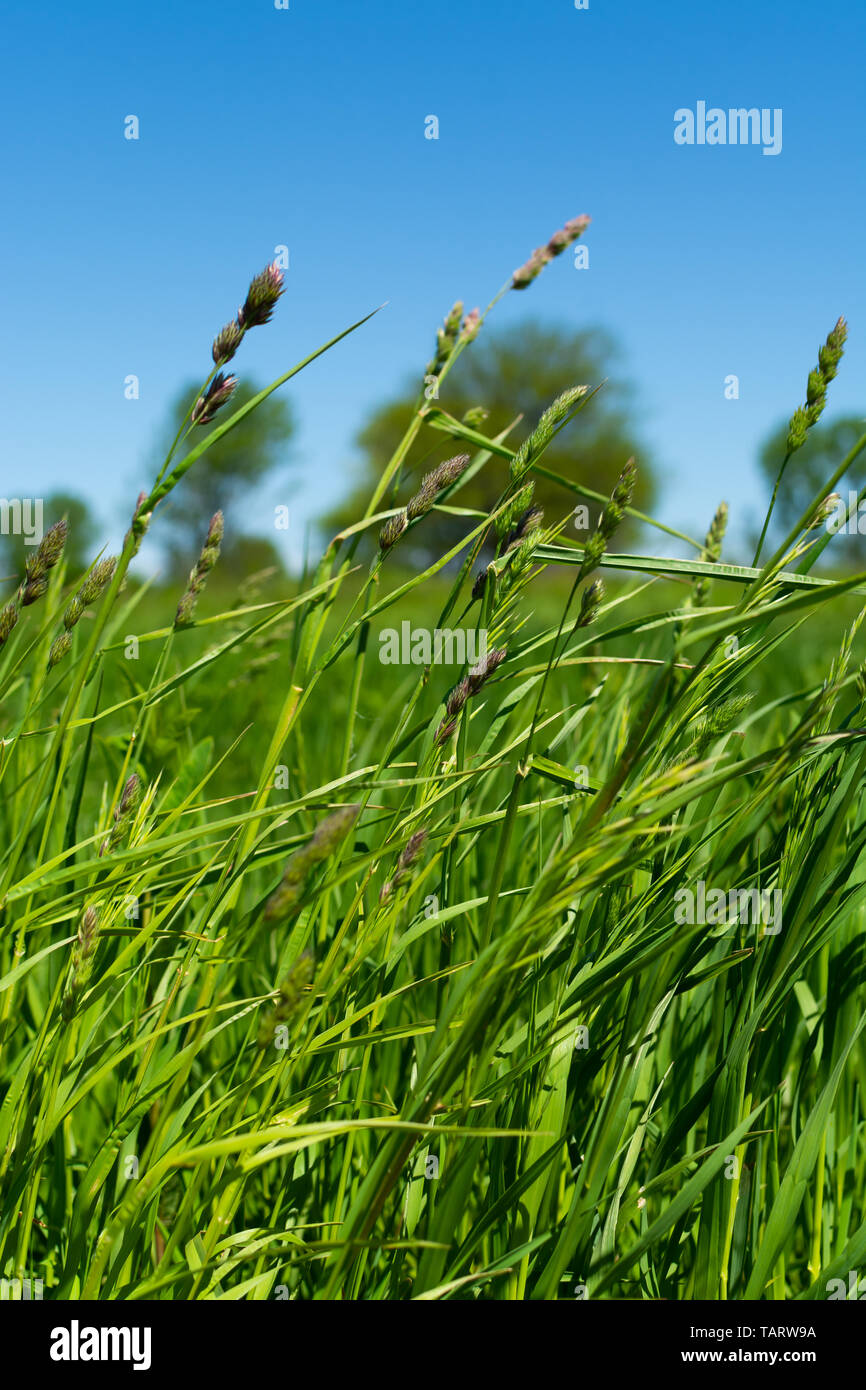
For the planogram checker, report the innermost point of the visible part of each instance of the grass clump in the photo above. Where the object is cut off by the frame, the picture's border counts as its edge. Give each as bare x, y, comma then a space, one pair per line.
538, 978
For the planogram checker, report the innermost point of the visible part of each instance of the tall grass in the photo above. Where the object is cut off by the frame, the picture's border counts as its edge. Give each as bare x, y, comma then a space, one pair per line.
367, 981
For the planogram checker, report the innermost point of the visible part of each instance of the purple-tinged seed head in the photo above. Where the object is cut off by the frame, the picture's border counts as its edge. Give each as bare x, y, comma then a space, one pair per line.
262, 295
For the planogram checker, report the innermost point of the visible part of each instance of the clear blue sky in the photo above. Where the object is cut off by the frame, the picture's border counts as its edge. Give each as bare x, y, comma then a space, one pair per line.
260, 127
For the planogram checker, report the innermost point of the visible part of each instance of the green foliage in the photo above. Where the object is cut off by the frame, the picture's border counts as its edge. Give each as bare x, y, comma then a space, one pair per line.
258, 449
323, 978
511, 376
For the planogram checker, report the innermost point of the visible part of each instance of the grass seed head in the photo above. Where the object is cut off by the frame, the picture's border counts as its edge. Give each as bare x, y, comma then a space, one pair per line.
124, 813
446, 339
82, 955
466, 688
797, 430
98, 580
198, 576
711, 553
507, 518
60, 647
484, 669
590, 602
614, 513
140, 523
38, 565
327, 837
214, 398
445, 730
291, 992
611, 518
392, 531
543, 255
405, 863
130, 796
480, 583
552, 419
94, 585
435, 482
716, 534
262, 296
829, 357
471, 325
457, 697
35, 588
87, 932
824, 511
524, 527
8, 619
226, 343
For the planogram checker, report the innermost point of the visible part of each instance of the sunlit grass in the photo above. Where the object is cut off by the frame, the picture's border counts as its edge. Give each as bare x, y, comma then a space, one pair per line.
325, 978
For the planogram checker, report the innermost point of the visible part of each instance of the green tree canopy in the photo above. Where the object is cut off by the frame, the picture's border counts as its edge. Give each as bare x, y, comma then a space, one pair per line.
513, 373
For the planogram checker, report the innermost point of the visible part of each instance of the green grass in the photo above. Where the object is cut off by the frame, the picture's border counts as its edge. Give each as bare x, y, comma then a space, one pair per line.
235, 1065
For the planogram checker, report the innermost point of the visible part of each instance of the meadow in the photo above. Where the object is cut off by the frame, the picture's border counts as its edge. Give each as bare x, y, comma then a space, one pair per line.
329, 977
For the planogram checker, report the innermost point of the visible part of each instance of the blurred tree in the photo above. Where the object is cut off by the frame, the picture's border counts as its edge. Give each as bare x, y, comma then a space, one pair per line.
516, 372
81, 541
808, 469
228, 474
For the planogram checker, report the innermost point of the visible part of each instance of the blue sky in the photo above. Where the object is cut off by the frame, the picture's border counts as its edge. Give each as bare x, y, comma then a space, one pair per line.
261, 127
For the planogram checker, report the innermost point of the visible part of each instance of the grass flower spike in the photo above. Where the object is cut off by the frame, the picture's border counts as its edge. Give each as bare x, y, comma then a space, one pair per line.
543, 255
829, 357
289, 996
198, 576
124, 813
262, 296
226, 343
82, 958
405, 863
219, 391
466, 688
38, 565
327, 837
